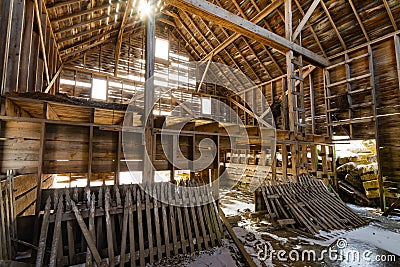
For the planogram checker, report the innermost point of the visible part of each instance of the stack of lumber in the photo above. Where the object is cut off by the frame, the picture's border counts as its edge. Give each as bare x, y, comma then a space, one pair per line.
113, 225
307, 204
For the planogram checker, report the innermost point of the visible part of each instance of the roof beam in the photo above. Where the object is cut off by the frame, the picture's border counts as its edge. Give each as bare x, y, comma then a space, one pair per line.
389, 11
359, 20
221, 16
333, 24
260, 16
118, 44
42, 42
262, 45
306, 17
311, 29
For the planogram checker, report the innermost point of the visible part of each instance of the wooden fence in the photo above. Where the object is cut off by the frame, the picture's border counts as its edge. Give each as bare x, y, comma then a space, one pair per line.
119, 224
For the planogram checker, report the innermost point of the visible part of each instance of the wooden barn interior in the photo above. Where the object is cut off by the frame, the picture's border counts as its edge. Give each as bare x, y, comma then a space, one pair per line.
124, 124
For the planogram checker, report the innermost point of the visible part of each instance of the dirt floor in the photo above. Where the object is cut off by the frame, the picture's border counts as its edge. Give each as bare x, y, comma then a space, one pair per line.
376, 244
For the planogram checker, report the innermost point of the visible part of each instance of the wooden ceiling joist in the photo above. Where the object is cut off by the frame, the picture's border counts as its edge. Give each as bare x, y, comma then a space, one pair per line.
118, 43
219, 15
260, 16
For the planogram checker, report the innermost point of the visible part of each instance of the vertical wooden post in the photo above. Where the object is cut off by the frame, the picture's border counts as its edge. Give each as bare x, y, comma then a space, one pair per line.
118, 159
312, 99
148, 172
5, 29
26, 47
15, 45
90, 153
289, 65
382, 199
40, 174
397, 52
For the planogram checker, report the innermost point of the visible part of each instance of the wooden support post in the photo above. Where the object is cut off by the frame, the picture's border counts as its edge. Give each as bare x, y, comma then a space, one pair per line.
42, 43
15, 45
118, 159
148, 171
5, 29
90, 152
382, 199
397, 52
40, 174
312, 100
26, 47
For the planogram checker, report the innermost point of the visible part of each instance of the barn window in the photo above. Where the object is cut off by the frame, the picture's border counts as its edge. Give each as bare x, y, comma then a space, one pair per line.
162, 48
99, 89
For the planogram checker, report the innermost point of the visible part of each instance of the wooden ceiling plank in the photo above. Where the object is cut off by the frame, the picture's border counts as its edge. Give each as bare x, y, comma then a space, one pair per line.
311, 29
83, 23
83, 33
333, 24
390, 14
305, 19
118, 44
82, 12
260, 16
63, 3
359, 20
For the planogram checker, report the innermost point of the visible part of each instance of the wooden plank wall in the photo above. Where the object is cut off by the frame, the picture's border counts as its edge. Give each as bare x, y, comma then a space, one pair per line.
22, 68
386, 81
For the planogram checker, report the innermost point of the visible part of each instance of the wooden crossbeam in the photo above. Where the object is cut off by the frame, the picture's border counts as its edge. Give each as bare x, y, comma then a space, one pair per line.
53, 80
120, 34
260, 16
306, 17
223, 17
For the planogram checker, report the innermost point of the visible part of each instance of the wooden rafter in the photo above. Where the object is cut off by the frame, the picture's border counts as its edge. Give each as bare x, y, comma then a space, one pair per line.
359, 20
311, 29
305, 19
120, 34
215, 37
250, 48
260, 16
219, 15
262, 45
390, 14
333, 25
42, 42
197, 42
